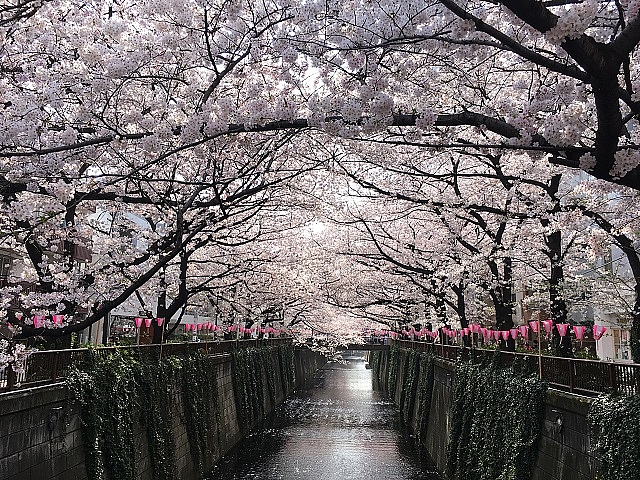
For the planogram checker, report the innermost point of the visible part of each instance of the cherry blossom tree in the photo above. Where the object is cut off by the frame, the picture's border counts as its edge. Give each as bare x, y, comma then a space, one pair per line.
149, 132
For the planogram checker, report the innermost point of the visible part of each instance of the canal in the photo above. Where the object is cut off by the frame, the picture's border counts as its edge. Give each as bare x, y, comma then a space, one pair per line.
341, 429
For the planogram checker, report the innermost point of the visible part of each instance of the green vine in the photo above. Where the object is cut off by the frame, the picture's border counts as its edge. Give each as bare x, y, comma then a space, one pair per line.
287, 366
200, 402
375, 361
269, 369
109, 398
496, 418
245, 362
425, 392
157, 395
250, 365
409, 385
394, 362
614, 424
117, 391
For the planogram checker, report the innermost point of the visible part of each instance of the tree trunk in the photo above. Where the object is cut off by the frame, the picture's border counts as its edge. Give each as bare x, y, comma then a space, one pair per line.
503, 304
159, 331
635, 325
561, 345
461, 310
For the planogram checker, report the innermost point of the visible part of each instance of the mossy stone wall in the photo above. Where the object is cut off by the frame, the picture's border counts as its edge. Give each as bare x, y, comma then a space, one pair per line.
41, 436
564, 447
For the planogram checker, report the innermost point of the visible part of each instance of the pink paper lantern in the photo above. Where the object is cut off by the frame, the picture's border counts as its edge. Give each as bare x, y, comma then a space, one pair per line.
38, 320
496, 334
579, 331
57, 319
548, 325
514, 332
562, 329
505, 334
138, 322
147, 322
598, 331
160, 321
535, 326
524, 331
187, 326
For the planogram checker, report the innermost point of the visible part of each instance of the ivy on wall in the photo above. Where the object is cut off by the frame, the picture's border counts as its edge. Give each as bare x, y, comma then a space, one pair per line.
108, 395
375, 362
119, 391
425, 392
157, 383
614, 424
394, 364
200, 404
409, 385
287, 366
247, 370
495, 422
417, 384
250, 364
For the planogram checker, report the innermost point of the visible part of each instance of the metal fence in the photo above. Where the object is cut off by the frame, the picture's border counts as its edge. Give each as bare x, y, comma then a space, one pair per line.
586, 377
49, 366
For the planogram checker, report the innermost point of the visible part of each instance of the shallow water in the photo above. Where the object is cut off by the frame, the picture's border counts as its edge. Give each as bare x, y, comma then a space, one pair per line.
339, 430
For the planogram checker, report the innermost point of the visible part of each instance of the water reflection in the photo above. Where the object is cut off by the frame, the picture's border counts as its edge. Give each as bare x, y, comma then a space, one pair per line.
339, 430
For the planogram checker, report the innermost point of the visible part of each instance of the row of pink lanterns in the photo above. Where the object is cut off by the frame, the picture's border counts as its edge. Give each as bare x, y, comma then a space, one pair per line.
39, 320
523, 330
411, 332
147, 321
200, 326
195, 327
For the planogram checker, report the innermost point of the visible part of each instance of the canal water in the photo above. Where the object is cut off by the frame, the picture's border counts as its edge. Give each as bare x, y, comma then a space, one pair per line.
341, 429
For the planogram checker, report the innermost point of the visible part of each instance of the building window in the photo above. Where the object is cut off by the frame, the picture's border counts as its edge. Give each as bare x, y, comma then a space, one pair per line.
621, 349
5, 268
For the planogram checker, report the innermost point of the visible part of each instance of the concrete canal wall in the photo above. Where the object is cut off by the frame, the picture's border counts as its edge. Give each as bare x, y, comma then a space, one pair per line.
564, 447
41, 434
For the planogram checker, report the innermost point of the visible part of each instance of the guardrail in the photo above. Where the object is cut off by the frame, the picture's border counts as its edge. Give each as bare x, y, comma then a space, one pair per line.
49, 366
586, 377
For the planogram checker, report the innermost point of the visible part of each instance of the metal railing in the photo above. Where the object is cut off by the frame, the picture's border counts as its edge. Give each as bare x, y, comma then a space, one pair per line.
586, 377
49, 366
